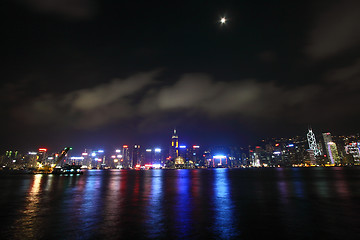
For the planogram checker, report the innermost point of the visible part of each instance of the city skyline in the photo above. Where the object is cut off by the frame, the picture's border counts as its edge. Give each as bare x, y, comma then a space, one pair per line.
163, 141
102, 72
298, 151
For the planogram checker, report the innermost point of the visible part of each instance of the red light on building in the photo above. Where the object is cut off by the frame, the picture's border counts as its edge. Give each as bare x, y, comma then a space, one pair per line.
42, 149
257, 146
125, 146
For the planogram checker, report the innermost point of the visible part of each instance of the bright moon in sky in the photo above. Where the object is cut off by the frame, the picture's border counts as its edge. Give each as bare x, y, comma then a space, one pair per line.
223, 20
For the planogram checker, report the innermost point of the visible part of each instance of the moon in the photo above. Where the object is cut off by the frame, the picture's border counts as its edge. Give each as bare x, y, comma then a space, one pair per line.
223, 20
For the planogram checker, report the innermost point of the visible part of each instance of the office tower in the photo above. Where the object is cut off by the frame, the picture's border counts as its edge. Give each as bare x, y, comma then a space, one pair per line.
174, 149
149, 158
125, 157
136, 155
327, 138
331, 149
354, 150
333, 153
158, 157
310, 157
312, 143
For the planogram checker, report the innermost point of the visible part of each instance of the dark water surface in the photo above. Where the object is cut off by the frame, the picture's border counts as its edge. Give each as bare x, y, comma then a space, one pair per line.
294, 203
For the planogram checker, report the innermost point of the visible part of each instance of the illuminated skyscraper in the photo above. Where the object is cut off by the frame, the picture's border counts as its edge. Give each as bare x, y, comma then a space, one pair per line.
354, 149
331, 149
312, 143
136, 156
327, 138
125, 161
333, 153
174, 149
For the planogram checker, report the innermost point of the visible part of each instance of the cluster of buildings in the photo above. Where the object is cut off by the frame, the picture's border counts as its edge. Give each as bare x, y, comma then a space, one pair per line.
300, 151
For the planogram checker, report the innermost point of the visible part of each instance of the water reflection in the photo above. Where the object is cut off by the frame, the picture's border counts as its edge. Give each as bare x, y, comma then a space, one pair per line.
297, 181
283, 186
341, 185
28, 225
155, 221
112, 201
224, 222
183, 203
91, 206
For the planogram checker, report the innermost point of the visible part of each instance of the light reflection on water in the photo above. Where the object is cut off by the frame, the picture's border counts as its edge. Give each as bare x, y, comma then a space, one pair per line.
28, 225
183, 204
155, 211
224, 220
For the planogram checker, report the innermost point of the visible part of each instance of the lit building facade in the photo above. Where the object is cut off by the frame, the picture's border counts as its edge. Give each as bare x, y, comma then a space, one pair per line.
136, 156
331, 149
333, 153
354, 150
174, 149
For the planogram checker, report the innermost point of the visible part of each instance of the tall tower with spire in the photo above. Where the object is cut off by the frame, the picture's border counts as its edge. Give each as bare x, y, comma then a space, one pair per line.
312, 143
174, 149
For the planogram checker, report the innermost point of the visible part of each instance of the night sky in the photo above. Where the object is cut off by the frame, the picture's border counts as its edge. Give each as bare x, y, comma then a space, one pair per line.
89, 73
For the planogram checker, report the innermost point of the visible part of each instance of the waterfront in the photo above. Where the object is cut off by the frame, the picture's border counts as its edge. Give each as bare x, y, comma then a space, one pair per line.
286, 203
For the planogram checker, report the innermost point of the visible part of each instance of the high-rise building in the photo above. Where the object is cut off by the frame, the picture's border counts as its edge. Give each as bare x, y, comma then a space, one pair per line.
158, 158
125, 161
310, 157
333, 153
174, 149
331, 149
353, 149
148, 158
136, 155
312, 143
327, 137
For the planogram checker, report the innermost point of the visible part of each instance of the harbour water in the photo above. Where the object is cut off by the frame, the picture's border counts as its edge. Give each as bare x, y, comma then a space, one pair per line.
281, 203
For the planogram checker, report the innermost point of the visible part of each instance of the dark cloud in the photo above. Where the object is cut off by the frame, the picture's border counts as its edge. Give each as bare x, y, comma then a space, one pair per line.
73, 9
199, 93
89, 107
346, 75
268, 56
144, 104
337, 29
194, 94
